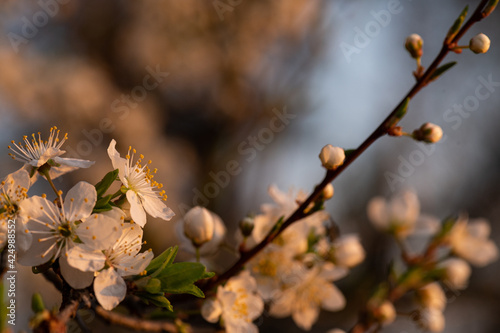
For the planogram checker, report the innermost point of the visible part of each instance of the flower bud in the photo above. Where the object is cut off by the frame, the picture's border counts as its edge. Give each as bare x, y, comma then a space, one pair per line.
414, 44
432, 296
479, 43
428, 132
431, 320
199, 225
246, 226
328, 191
386, 313
348, 251
331, 157
456, 272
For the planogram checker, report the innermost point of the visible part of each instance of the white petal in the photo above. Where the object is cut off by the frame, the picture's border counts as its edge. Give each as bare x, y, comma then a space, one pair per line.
426, 225
240, 326
48, 154
330, 272
333, 299
99, 232
211, 310
157, 208
84, 198
136, 264
109, 288
283, 304
73, 162
86, 260
306, 317
136, 210
75, 277
377, 213
255, 306
117, 161
219, 234
479, 228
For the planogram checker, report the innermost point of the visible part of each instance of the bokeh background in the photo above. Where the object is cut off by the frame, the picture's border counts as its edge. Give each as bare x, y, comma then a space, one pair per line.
232, 66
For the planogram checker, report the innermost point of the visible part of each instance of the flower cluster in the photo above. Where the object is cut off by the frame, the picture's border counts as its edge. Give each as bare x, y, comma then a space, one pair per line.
86, 233
295, 273
454, 245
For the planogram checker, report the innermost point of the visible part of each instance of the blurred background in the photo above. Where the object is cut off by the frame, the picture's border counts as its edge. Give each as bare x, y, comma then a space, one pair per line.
196, 86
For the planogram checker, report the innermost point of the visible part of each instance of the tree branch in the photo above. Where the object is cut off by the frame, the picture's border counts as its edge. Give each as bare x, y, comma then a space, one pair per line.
380, 131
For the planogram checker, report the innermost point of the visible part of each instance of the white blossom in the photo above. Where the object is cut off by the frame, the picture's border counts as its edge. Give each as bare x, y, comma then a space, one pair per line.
432, 320
311, 290
386, 313
428, 132
348, 251
432, 296
140, 186
332, 157
398, 215
480, 43
414, 44
470, 240
13, 190
38, 152
456, 272
199, 225
56, 231
207, 249
236, 304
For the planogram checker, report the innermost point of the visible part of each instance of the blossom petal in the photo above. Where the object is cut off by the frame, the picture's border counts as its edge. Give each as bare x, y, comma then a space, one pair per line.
73, 162
110, 288
377, 213
332, 298
117, 161
155, 207
75, 277
99, 232
79, 201
136, 210
211, 310
306, 317
85, 259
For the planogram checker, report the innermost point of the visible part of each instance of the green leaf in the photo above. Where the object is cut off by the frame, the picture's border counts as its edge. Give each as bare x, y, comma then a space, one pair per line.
179, 278
106, 182
163, 260
490, 7
400, 113
456, 25
103, 201
440, 71
349, 152
104, 208
153, 286
156, 299
37, 303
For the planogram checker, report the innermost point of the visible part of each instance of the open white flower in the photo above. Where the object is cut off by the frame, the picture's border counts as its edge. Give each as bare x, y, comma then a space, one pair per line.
294, 237
121, 258
55, 231
470, 240
312, 290
400, 215
37, 152
141, 193
236, 303
271, 268
13, 190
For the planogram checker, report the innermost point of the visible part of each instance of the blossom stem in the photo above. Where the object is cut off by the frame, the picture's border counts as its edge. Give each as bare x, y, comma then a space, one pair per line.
45, 172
